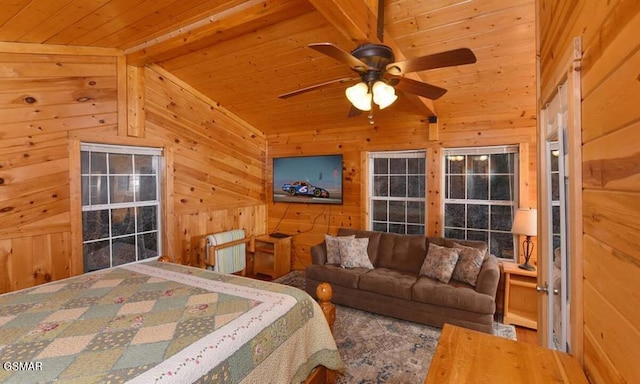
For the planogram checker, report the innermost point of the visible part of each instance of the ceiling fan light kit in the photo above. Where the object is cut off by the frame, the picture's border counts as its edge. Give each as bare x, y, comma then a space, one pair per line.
383, 94
361, 94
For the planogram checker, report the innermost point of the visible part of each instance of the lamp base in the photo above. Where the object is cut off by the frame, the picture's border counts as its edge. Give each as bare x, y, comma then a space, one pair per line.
527, 266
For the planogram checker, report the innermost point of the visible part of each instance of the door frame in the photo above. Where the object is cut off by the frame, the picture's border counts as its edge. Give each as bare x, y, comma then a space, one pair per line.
572, 76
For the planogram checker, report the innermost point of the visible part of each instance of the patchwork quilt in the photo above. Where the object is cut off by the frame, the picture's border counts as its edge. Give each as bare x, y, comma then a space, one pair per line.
157, 322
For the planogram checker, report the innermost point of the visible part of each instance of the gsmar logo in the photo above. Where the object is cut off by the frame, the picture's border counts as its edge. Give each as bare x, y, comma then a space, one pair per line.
22, 366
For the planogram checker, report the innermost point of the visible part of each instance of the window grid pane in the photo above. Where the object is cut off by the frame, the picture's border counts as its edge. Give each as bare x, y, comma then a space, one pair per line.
121, 208
398, 192
480, 197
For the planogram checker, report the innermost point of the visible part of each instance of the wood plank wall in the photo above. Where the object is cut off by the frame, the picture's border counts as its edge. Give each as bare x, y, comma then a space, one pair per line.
218, 164
309, 222
42, 98
611, 177
46, 98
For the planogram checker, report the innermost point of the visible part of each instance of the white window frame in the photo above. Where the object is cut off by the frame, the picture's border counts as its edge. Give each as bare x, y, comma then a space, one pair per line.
481, 151
157, 202
371, 156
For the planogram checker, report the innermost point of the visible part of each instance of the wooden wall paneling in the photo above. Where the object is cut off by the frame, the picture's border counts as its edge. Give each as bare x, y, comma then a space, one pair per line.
135, 101
123, 97
613, 218
611, 162
217, 164
613, 104
610, 181
612, 44
45, 94
75, 207
588, 19
6, 271
435, 192
607, 272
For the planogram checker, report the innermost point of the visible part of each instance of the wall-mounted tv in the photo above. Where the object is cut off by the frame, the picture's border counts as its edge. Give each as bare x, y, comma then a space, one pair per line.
308, 179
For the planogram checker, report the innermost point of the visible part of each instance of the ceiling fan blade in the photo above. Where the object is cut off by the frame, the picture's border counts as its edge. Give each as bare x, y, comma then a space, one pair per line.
437, 60
421, 89
340, 55
318, 86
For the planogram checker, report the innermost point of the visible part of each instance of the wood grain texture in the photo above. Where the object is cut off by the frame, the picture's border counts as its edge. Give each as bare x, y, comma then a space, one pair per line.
610, 174
466, 356
49, 100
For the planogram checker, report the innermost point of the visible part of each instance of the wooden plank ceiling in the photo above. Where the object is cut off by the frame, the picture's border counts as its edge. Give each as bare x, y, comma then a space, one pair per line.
243, 54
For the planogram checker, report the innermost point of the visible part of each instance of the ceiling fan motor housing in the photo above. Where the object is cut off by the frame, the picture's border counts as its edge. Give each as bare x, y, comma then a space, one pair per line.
376, 56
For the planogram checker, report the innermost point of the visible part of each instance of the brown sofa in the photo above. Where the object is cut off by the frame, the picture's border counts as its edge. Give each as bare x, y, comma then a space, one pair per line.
395, 288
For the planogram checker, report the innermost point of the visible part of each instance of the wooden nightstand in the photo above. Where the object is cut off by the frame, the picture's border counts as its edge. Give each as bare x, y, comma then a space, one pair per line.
272, 256
520, 297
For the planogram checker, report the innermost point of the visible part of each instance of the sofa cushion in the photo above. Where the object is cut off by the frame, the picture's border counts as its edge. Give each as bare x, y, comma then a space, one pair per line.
374, 240
404, 253
387, 282
453, 295
353, 253
440, 263
333, 248
448, 242
468, 265
335, 275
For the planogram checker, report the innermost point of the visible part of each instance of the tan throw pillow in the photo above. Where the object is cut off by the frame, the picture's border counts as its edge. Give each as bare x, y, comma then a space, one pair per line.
439, 263
469, 264
333, 248
353, 253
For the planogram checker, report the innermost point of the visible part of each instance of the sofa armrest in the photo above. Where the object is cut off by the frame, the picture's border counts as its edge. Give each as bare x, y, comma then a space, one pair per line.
489, 276
319, 253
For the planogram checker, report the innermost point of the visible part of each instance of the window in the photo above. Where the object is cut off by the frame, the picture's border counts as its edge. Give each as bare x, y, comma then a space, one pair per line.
480, 196
397, 191
120, 204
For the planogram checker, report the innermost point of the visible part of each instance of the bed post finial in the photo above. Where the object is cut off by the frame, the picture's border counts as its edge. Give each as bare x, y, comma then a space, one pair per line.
325, 293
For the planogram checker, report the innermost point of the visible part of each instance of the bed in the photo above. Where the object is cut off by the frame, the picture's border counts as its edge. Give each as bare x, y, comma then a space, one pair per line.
158, 322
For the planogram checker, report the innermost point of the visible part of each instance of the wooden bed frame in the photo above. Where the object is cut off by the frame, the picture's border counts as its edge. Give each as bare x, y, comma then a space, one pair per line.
321, 374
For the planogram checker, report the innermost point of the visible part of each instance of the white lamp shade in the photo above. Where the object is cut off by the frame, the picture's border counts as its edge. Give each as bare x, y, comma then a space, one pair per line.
359, 96
525, 222
383, 94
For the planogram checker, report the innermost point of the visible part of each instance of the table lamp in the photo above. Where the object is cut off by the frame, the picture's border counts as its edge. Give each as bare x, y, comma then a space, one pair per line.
526, 223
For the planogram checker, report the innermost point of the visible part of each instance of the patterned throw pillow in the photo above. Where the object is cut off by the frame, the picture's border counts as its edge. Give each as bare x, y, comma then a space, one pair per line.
333, 248
469, 264
439, 263
353, 253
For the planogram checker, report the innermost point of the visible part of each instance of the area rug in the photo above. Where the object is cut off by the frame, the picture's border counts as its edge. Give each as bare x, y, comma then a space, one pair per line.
380, 349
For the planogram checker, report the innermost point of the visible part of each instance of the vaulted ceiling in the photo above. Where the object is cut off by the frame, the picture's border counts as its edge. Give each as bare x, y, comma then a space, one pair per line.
243, 54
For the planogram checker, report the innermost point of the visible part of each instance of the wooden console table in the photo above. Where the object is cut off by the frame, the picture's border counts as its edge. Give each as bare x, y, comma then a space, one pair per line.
471, 357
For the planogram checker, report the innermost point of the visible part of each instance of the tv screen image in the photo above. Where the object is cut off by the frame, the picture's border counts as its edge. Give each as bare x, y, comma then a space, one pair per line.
308, 179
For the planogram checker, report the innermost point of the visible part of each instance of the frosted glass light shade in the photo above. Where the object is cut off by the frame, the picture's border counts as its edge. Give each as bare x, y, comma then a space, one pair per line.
359, 96
383, 94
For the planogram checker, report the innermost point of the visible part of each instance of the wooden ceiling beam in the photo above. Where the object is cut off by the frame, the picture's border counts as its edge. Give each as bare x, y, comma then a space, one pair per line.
229, 23
356, 21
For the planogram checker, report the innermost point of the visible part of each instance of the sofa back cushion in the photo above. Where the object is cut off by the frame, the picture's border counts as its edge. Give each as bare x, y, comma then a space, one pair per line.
447, 242
404, 253
374, 240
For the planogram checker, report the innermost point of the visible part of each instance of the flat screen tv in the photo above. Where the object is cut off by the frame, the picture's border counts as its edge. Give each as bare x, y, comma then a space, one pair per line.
308, 179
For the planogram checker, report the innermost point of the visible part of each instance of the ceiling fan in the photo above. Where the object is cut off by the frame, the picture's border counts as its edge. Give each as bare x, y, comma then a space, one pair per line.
380, 75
